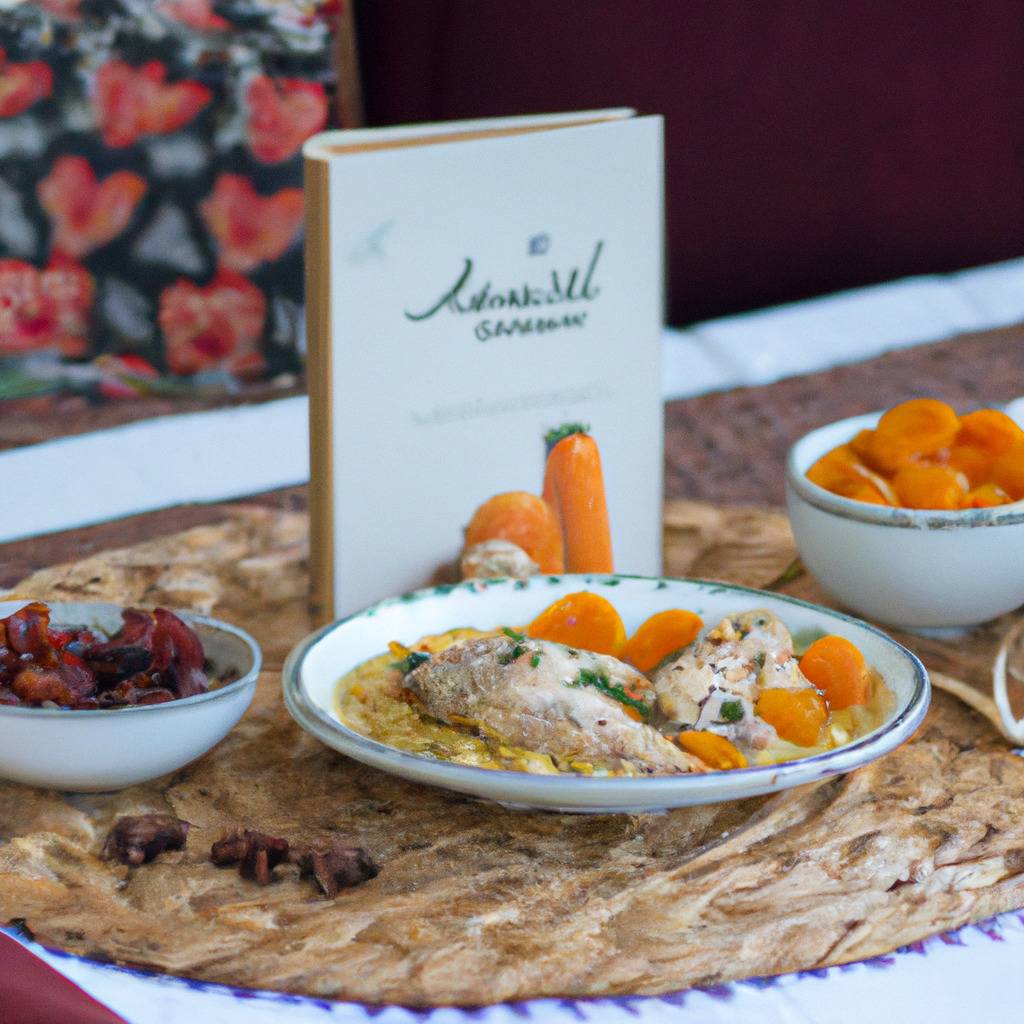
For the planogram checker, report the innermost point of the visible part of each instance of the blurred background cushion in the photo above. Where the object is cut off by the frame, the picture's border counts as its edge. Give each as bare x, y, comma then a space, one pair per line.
810, 146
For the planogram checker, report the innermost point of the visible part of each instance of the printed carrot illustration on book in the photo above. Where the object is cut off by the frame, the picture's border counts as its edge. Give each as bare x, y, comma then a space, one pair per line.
566, 529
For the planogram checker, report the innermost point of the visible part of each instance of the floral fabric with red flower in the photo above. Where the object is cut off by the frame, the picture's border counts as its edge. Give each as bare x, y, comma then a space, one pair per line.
151, 208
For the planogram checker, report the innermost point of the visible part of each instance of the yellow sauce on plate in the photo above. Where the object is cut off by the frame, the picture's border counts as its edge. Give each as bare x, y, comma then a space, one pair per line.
371, 700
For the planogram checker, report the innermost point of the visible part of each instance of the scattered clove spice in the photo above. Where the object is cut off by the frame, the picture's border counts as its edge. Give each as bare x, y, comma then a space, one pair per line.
335, 866
255, 853
138, 839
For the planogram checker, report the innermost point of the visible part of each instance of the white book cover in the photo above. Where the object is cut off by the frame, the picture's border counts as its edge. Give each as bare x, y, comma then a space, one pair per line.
470, 286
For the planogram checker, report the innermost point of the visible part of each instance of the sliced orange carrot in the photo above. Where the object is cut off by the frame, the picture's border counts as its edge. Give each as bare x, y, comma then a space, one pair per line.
918, 427
584, 620
659, 636
796, 715
523, 519
837, 668
920, 486
990, 430
714, 750
985, 496
1008, 471
574, 487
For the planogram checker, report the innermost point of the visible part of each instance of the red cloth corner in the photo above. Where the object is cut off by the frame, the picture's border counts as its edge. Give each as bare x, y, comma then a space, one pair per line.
32, 992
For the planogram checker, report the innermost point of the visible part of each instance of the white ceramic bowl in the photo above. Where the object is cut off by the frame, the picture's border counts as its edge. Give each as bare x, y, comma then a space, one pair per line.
94, 751
313, 669
907, 567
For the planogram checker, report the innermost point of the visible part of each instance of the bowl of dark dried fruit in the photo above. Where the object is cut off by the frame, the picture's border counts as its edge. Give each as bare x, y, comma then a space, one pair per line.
96, 697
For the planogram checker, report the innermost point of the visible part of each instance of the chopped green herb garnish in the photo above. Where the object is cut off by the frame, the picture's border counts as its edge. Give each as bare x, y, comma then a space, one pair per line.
410, 661
731, 710
511, 654
519, 638
601, 682
535, 660
758, 659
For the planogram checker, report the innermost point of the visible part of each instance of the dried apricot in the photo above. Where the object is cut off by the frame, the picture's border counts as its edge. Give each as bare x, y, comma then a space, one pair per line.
796, 715
1008, 471
985, 496
714, 750
836, 667
659, 636
584, 620
918, 427
842, 473
524, 519
921, 486
975, 463
921, 455
991, 430
861, 445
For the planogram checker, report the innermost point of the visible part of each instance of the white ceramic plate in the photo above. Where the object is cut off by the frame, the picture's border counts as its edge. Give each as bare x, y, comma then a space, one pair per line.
313, 669
91, 751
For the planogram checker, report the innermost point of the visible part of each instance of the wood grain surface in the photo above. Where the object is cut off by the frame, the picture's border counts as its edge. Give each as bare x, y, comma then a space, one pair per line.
475, 903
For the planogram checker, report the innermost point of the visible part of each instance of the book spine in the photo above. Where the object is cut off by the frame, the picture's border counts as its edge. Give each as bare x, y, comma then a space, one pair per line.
318, 382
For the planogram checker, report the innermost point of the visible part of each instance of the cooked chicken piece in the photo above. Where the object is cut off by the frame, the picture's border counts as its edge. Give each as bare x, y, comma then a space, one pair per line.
497, 558
549, 698
715, 682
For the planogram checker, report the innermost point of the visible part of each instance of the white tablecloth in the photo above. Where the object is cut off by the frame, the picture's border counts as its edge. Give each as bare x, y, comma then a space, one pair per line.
971, 975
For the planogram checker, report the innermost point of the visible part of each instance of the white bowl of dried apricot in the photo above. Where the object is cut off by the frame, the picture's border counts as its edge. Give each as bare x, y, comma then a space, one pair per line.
914, 516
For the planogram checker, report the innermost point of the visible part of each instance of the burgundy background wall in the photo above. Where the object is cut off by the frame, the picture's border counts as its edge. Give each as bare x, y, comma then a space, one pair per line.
811, 144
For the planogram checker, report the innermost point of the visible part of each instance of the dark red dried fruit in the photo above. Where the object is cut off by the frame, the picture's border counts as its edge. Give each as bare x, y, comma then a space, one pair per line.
37, 685
154, 658
75, 673
336, 866
255, 853
129, 651
136, 840
154, 695
27, 632
187, 657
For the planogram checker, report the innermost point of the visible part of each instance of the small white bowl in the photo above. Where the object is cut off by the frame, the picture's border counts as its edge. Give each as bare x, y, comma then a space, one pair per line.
95, 751
314, 668
907, 567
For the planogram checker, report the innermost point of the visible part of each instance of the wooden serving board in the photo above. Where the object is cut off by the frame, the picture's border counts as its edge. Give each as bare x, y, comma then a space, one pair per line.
475, 903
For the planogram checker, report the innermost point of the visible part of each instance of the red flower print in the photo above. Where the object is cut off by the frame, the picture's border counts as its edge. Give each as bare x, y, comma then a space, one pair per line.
44, 309
250, 228
61, 8
283, 113
213, 328
22, 85
132, 102
85, 212
197, 14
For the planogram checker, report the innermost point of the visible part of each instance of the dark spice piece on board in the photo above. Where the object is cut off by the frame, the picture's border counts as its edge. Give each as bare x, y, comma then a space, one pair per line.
136, 840
255, 853
336, 866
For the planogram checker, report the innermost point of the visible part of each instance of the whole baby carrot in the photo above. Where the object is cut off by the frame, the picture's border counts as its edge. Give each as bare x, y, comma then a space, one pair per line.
574, 488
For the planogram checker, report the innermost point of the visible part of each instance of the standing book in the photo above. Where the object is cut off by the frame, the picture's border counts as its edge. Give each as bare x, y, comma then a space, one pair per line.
470, 286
